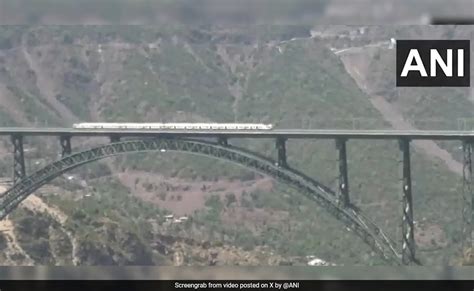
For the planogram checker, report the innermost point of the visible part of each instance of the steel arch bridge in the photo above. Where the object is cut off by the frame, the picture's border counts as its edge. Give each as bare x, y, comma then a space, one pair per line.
348, 214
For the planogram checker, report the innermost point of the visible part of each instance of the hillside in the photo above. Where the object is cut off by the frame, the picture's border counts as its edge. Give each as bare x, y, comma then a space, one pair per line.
54, 76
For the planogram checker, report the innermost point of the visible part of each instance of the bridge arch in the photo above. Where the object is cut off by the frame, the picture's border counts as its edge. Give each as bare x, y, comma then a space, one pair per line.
351, 216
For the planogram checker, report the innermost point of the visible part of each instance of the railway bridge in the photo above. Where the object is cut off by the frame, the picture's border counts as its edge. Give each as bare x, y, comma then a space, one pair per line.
217, 144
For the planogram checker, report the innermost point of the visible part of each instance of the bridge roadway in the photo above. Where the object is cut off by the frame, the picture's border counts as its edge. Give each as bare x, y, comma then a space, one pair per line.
288, 133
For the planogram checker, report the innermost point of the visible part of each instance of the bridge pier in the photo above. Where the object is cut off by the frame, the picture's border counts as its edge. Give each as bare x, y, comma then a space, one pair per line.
343, 175
281, 150
114, 138
65, 142
468, 200
19, 170
408, 229
222, 140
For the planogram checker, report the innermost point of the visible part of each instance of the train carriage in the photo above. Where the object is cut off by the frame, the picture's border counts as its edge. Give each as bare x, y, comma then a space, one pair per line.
175, 126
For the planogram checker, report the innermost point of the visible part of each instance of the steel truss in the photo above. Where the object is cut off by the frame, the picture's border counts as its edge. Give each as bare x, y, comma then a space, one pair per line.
343, 175
351, 216
65, 142
19, 170
281, 151
114, 138
222, 140
408, 228
468, 200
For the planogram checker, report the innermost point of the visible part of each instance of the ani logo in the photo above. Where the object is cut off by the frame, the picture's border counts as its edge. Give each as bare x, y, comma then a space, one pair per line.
433, 63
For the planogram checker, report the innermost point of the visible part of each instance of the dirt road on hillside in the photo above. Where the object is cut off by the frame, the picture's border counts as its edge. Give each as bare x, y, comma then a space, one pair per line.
392, 115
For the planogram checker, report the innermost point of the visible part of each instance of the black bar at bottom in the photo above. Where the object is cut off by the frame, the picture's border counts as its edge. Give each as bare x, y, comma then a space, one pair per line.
103, 285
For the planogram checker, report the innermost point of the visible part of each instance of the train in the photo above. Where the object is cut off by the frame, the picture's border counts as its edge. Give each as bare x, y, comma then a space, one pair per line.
175, 126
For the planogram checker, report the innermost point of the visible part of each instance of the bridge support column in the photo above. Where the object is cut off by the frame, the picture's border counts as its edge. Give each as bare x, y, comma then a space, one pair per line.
468, 201
19, 170
281, 149
222, 140
65, 142
343, 175
114, 138
408, 230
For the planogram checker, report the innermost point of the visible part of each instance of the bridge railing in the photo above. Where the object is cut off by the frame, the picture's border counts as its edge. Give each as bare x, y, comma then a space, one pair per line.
361, 123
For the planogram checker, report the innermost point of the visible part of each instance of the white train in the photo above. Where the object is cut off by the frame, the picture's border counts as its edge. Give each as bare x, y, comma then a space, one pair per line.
182, 126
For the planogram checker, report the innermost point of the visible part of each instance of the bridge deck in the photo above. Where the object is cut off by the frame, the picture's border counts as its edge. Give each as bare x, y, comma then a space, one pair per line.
289, 133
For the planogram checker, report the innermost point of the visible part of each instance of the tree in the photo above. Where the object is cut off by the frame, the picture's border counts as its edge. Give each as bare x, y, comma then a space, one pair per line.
162, 196
230, 198
214, 201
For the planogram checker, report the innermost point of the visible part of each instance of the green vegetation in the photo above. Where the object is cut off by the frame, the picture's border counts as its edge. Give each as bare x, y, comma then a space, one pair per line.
111, 221
34, 108
5, 118
214, 211
33, 234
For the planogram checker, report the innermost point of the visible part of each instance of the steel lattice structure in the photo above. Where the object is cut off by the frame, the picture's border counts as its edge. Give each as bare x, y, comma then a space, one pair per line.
348, 214
468, 200
19, 170
408, 227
